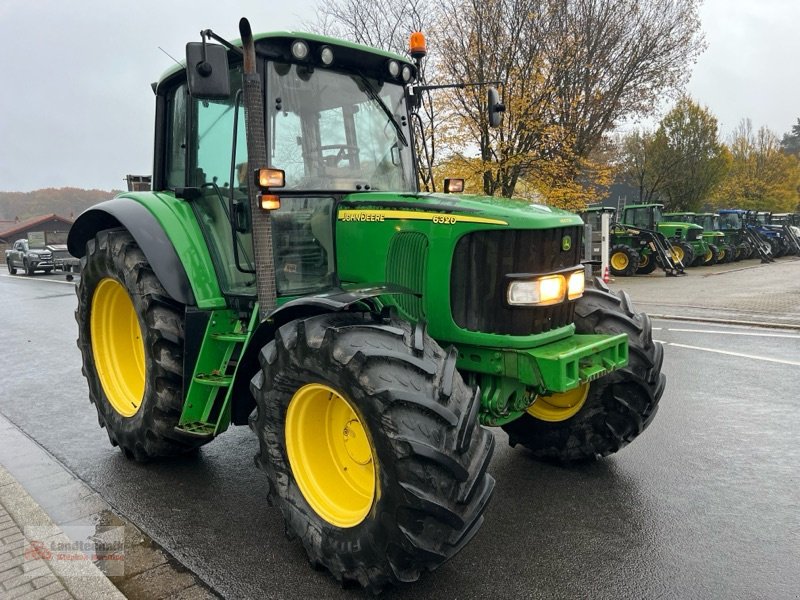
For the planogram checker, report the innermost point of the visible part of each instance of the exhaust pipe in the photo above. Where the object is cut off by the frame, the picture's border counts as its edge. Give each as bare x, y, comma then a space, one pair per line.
257, 159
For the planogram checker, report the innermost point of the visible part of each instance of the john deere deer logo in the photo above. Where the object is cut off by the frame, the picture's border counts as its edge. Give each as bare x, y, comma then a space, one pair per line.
566, 243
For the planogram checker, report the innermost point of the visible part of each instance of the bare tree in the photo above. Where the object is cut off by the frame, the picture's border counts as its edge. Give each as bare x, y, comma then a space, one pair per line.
570, 70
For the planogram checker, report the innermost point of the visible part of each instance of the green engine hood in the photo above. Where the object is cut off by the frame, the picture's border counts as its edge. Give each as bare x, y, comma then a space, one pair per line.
466, 208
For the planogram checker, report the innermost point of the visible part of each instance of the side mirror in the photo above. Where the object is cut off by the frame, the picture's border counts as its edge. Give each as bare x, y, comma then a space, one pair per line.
495, 108
207, 71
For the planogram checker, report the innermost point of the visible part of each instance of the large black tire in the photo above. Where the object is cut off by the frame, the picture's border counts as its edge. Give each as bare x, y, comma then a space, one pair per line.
620, 405
647, 263
29, 270
684, 252
430, 452
623, 260
114, 255
712, 256
12, 270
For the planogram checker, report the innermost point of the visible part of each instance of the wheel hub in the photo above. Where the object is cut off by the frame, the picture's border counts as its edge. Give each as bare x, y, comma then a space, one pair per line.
331, 455
619, 261
117, 346
560, 407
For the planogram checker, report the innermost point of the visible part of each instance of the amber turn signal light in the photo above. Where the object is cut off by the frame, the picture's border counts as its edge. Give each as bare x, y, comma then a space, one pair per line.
269, 201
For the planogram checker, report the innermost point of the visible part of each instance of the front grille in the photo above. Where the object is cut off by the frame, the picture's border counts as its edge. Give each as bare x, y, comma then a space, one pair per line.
478, 280
406, 266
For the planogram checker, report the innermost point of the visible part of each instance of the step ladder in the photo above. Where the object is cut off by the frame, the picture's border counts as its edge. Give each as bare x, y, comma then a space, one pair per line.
206, 408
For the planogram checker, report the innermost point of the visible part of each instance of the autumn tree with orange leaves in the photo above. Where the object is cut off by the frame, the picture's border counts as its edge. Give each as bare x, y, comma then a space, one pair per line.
569, 72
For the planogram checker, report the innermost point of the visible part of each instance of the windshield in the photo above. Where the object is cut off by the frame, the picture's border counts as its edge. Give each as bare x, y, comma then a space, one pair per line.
658, 214
333, 131
710, 223
728, 221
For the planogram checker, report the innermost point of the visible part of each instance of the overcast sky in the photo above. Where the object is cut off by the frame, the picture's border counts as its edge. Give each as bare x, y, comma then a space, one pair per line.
77, 108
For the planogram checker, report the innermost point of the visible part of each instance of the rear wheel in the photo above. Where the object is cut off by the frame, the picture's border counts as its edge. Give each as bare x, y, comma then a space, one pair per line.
623, 261
601, 417
371, 444
131, 337
12, 270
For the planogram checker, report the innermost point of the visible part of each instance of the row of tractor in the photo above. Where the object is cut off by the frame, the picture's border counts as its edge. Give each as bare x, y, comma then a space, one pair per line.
643, 237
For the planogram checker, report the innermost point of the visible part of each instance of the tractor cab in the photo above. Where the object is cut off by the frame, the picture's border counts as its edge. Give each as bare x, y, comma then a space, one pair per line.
336, 122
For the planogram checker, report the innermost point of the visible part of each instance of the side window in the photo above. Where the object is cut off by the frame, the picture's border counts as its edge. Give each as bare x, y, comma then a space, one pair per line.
222, 178
214, 139
176, 137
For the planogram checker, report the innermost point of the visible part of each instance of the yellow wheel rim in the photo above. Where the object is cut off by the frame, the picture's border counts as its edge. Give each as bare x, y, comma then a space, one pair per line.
117, 346
644, 260
721, 255
331, 455
559, 407
709, 255
619, 260
677, 253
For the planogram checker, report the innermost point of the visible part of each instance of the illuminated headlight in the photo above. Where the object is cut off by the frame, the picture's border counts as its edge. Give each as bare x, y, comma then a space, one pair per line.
407, 74
547, 290
326, 55
299, 49
576, 284
394, 68
537, 292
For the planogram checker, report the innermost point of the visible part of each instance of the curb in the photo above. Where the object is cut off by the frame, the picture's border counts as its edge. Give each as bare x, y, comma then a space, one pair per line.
51, 495
760, 324
82, 579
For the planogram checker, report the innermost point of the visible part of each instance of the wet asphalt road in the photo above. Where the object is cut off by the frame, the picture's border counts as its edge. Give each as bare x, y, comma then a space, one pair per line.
706, 504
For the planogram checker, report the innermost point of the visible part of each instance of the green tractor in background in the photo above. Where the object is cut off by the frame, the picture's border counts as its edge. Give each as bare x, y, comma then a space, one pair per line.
286, 272
719, 249
688, 245
633, 250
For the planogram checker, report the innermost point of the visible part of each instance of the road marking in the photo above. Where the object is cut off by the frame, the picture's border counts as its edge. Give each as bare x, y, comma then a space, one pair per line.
728, 353
38, 279
774, 335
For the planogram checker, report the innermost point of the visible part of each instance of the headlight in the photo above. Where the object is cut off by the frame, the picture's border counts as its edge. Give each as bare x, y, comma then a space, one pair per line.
547, 290
576, 284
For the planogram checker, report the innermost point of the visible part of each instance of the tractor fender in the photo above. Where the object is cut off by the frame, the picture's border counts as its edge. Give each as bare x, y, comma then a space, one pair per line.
242, 401
148, 233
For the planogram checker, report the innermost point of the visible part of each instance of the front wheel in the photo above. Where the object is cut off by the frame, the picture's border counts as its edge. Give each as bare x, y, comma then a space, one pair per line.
371, 444
131, 337
12, 270
711, 257
601, 417
647, 263
29, 270
683, 253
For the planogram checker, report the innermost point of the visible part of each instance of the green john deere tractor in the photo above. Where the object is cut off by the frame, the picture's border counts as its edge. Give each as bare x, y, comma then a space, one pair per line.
687, 240
632, 250
286, 272
718, 248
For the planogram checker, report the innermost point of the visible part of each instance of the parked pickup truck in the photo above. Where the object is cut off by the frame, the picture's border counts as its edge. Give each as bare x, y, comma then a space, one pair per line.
22, 256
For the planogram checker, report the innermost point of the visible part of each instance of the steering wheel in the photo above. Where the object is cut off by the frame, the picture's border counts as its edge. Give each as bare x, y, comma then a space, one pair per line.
344, 152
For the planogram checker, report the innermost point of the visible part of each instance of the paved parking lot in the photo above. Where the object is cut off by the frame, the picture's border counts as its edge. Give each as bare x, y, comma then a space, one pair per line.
703, 505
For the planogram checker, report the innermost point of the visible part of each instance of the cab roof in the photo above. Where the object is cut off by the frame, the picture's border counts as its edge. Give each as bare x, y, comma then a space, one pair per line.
294, 35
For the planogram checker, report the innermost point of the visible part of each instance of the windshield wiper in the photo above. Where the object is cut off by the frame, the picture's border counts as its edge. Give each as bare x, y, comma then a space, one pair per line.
376, 98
